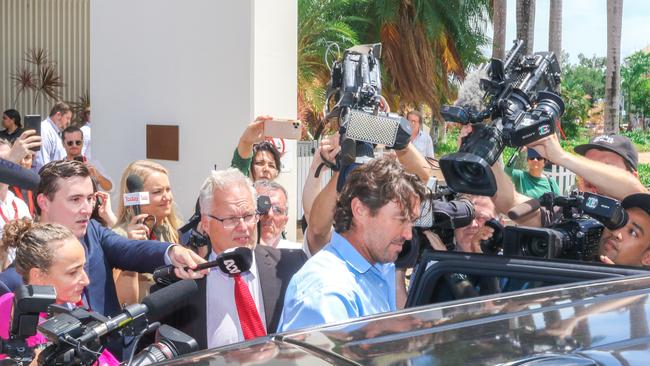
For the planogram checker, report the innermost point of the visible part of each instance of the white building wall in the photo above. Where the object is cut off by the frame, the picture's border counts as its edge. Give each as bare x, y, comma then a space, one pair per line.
201, 64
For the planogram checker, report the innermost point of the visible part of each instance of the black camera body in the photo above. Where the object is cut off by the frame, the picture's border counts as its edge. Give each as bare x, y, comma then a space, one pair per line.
576, 238
522, 109
353, 101
575, 235
442, 212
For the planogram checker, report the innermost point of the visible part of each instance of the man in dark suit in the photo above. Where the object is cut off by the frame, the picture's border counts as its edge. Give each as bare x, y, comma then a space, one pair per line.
66, 196
219, 315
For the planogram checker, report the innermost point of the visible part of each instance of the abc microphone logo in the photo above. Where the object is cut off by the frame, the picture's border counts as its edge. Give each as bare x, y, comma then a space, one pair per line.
231, 266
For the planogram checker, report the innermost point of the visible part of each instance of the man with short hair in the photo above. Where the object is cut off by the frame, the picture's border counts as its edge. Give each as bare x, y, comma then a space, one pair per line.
51, 145
220, 314
629, 245
66, 196
354, 275
419, 139
73, 142
273, 222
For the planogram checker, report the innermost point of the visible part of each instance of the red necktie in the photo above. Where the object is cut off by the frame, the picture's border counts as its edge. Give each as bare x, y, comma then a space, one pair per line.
249, 317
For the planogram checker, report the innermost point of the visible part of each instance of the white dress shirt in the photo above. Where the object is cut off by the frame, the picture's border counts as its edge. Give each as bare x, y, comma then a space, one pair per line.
85, 151
51, 145
424, 144
223, 321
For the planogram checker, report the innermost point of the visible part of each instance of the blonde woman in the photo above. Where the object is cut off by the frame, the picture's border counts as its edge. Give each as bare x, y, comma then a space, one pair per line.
158, 221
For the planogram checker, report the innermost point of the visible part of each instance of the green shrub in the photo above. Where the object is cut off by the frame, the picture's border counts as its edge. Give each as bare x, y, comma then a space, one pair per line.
644, 174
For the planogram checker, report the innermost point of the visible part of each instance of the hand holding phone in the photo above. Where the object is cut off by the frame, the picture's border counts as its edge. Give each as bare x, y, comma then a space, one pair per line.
33, 122
283, 128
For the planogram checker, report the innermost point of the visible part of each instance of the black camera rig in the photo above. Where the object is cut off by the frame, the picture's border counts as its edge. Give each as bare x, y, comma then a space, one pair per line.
522, 107
574, 235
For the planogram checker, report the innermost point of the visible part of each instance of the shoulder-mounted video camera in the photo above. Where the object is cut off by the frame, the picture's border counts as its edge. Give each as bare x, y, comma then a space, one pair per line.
355, 104
575, 235
522, 107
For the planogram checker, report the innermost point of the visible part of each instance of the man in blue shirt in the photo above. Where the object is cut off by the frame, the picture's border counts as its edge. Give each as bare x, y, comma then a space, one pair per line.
354, 274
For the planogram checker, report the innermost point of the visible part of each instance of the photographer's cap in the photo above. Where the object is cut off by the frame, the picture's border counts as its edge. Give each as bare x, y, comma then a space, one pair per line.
617, 144
640, 200
533, 154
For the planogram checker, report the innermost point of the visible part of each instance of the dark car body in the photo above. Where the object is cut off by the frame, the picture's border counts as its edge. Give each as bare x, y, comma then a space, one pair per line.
582, 314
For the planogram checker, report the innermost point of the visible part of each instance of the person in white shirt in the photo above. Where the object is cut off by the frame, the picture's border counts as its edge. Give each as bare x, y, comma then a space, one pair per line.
85, 129
51, 145
221, 313
11, 208
419, 139
272, 223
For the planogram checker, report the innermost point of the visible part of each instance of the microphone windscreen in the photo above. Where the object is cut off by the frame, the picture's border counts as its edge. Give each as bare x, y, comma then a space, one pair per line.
169, 299
134, 183
235, 260
15, 175
523, 209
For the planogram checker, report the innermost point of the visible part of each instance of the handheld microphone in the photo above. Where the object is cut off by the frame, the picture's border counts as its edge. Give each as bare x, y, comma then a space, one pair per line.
135, 196
155, 306
15, 175
524, 209
231, 262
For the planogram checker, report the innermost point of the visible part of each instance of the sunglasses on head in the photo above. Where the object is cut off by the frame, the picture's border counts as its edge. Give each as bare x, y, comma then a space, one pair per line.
74, 142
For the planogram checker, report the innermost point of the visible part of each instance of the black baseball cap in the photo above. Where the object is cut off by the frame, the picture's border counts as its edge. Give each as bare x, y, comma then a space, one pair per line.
640, 200
617, 144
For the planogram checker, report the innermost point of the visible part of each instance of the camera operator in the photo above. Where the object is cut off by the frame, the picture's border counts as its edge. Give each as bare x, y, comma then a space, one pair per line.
73, 143
629, 245
468, 238
273, 222
46, 255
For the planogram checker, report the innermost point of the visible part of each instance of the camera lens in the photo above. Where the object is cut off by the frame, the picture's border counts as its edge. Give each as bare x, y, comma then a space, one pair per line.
470, 172
536, 247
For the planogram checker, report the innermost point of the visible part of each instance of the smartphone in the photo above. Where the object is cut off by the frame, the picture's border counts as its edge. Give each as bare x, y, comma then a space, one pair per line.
79, 158
33, 122
283, 128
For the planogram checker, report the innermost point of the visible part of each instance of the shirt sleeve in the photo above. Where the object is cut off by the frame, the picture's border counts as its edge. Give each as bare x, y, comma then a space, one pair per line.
243, 165
429, 149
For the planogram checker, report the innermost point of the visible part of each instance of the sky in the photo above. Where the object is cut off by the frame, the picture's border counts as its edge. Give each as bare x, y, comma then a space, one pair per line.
584, 27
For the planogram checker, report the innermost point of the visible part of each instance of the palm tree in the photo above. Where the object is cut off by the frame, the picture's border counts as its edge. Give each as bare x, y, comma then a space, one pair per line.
320, 24
526, 24
555, 28
499, 10
424, 44
613, 71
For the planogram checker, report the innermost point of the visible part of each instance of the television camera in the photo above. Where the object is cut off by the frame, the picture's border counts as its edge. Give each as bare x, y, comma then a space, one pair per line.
574, 235
522, 107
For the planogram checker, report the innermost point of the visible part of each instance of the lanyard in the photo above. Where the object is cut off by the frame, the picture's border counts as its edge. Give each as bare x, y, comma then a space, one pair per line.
29, 201
2, 214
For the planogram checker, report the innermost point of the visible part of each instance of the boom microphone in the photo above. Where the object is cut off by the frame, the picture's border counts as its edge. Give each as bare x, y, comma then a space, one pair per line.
15, 175
135, 196
231, 262
155, 306
524, 209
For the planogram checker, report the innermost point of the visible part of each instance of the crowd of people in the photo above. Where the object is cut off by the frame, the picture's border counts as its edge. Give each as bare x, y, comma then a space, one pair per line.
65, 233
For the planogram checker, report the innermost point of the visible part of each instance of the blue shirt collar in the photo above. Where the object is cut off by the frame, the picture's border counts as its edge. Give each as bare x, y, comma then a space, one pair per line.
349, 253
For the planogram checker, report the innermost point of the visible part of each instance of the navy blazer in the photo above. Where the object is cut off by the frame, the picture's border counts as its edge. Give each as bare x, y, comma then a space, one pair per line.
106, 250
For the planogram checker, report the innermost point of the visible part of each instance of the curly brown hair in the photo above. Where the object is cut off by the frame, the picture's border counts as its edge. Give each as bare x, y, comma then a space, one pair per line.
35, 244
375, 184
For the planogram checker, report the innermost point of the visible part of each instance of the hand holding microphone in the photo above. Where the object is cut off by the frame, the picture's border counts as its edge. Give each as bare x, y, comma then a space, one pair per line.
231, 262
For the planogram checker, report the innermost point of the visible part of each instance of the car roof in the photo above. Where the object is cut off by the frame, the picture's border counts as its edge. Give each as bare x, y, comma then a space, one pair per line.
588, 320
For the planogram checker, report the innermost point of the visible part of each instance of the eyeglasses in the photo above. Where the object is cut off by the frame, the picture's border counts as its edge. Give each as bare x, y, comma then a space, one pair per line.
538, 158
74, 142
232, 222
